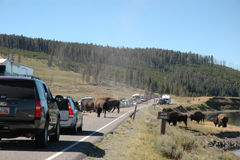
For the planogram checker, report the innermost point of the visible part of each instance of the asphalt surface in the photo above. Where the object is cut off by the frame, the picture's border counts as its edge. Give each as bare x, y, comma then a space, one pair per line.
69, 147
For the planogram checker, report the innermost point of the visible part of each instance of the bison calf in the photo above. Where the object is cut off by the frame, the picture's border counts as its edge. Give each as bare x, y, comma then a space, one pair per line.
197, 116
175, 117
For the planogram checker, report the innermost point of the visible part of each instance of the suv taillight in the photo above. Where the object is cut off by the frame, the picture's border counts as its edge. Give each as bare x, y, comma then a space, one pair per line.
69, 108
38, 109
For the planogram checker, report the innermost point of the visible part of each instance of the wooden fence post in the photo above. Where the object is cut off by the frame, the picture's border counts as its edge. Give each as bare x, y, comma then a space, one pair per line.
135, 112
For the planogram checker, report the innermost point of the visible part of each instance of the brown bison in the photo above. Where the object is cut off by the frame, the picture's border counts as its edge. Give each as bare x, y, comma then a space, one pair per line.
106, 104
99, 106
114, 103
101, 98
88, 105
175, 117
221, 120
197, 116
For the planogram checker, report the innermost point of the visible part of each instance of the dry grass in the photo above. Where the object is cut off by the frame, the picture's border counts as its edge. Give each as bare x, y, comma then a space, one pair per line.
141, 140
189, 100
131, 140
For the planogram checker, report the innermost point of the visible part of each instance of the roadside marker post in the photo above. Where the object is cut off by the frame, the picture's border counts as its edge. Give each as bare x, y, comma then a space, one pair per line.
163, 116
135, 112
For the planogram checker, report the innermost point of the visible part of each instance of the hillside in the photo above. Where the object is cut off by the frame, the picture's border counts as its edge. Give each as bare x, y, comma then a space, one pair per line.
149, 69
69, 83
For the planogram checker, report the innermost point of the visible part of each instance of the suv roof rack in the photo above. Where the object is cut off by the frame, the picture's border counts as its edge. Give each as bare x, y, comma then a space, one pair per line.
21, 75
33, 77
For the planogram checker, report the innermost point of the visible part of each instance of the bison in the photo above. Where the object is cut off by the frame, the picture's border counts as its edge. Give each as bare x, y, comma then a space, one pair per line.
101, 98
197, 116
99, 106
168, 109
88, 105
114, 103
175, 117
106, 104
221, 120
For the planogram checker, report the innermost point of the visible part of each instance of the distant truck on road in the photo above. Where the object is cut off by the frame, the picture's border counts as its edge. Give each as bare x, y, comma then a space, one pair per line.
137, 97
166, 99
8, 67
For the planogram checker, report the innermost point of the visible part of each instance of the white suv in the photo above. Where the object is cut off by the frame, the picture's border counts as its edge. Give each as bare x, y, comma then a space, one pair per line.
70, 114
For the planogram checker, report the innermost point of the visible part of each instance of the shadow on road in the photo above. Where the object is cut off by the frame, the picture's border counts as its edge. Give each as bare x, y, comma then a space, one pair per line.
82, 133
26, 144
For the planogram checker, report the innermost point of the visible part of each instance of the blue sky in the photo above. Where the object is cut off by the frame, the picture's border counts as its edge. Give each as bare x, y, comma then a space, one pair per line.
206, 27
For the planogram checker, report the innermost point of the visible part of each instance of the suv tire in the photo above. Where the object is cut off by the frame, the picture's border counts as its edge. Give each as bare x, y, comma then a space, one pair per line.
55, 137
74, 129
42, 139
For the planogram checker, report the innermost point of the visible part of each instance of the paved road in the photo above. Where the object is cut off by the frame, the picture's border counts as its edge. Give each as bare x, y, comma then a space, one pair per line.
69, 147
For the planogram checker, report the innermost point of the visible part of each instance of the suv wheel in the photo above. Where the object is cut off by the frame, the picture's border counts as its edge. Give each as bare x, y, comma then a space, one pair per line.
55, 137
42, 139
74, 129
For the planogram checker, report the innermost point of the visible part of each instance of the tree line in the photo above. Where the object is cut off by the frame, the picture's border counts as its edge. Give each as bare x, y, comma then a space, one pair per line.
154, 70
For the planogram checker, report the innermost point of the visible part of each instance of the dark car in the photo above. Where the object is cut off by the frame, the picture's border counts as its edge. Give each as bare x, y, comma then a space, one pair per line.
71, 114
28, 109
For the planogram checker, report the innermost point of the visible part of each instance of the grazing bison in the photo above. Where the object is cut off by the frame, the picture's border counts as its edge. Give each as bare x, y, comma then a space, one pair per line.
197, 116
175, 117
88, 105
221, 120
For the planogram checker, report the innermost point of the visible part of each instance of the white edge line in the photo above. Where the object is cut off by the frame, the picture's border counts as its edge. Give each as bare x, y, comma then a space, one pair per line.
79, 141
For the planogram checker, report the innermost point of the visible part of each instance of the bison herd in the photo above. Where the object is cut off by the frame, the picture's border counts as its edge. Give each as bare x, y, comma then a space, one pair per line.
174, 117
102, 104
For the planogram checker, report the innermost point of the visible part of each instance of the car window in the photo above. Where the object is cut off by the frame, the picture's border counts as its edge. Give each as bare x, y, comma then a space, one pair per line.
62, 105
23, 89
41, 90
71, 102
49, 94
2, 70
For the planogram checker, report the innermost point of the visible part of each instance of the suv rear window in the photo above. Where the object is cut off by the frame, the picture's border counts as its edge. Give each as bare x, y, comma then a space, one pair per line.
17, 89
63, 105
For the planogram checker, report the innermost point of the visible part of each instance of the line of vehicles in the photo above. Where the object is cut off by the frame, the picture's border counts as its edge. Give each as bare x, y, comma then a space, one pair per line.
28, 108
126, 102
165, 99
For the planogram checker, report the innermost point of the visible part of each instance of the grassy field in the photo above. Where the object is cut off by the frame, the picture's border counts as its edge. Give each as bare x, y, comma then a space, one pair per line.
141, 140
